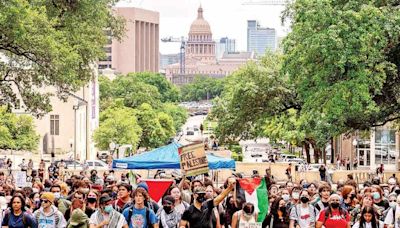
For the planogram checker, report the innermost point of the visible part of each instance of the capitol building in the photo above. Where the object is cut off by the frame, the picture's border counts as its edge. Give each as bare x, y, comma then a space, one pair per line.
200, 56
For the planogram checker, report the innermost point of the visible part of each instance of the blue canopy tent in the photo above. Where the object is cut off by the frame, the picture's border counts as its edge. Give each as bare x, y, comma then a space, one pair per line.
167, 157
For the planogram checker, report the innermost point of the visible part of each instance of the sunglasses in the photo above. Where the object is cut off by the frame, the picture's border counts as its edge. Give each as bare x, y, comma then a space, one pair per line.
44, 201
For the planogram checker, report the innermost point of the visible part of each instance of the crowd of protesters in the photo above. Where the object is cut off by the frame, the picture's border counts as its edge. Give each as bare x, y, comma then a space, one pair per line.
90, 200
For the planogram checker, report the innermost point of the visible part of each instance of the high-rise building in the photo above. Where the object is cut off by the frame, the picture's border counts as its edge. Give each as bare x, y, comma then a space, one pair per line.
139, 49
260, 39
225, 45
168, 59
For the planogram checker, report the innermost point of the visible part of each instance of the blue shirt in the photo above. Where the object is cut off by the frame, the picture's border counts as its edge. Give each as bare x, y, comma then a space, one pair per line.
13, 221
138, 219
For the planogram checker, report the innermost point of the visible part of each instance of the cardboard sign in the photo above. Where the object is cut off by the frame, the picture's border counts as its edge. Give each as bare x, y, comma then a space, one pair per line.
20, 178
250, 225
193, 159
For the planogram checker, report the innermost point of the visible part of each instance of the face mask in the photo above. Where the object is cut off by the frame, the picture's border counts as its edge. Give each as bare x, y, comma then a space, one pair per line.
35, 190
304, 199
108, 209
85, 190
201, 198
335, 205
392, 204
57, 195
295, 195
285, 197
352, 196
167, 209
91, 200
376, 195
282, 208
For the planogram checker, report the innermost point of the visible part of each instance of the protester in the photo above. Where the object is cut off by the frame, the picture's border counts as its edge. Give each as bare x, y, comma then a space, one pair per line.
244, 217
368, 218
303, 214
17, 217
179, 204
278, 216
168, 216
106, 216
139, 215
48, 215
124, 197
333, 216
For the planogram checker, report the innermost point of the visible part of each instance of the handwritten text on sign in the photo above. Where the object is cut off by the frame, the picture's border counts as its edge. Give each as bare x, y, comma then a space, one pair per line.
193, 159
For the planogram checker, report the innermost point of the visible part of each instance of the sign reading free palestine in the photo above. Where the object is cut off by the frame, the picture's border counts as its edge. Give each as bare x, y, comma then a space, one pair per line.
193, 159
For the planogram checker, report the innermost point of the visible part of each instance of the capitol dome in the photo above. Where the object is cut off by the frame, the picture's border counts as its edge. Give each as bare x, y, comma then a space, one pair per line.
200, 26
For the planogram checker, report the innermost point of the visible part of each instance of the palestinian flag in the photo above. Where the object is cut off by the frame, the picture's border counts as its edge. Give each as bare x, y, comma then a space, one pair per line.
255, 191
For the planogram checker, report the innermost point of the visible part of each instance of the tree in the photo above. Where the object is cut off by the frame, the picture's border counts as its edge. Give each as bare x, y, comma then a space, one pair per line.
251, 95
343, 57
157, 127
202, 88
130, 89
17, 132
119, 125
51, 44
178, 114
168, 91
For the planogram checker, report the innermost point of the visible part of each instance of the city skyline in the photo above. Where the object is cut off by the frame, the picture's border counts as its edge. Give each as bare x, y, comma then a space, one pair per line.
177, 15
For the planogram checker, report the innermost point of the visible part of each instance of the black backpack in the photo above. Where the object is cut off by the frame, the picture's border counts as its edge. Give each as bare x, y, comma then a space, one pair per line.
130, 213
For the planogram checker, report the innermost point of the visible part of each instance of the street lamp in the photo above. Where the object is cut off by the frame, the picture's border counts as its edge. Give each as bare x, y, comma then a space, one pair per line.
76, 107
355, 143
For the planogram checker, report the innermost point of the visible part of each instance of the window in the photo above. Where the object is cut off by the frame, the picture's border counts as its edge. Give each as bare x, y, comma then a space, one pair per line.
98, 164
54, 125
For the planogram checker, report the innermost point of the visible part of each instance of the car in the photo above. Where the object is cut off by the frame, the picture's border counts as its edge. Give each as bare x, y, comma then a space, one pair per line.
189, 132
296, 160
70, 164
285, 157
97, 165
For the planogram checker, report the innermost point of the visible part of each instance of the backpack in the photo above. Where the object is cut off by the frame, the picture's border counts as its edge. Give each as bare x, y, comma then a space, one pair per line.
56, 216
130, 213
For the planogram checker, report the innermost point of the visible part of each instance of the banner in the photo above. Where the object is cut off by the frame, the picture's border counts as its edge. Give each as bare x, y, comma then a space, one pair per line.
193, 159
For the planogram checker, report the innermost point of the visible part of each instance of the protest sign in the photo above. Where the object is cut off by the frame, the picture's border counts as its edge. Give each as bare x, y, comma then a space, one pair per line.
193, 159
20, 179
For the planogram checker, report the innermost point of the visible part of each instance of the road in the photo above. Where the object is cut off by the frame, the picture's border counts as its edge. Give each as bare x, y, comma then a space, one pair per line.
190, 122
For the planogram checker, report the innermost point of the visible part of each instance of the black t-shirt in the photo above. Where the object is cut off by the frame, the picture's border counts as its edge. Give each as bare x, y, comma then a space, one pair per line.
199, 218
384, 204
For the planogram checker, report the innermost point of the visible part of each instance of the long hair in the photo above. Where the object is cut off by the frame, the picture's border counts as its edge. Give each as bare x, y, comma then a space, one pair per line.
275, 208
21, 197
370, 210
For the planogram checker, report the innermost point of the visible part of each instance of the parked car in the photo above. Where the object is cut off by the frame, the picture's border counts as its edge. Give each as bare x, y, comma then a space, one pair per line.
285, 157
70, 164
97, 164
297, 161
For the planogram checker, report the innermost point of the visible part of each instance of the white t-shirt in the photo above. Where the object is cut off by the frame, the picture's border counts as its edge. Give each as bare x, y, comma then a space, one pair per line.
367, 225
305, 216
389, 217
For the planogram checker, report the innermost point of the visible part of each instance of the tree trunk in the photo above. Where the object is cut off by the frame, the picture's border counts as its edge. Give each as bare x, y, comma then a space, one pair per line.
324, 154
317, 152
306, 147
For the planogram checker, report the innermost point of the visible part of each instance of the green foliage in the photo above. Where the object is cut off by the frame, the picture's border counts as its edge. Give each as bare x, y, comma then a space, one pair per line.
251, 95
168, 91
202, 88
178, 114
157, 126
17, 132
146, 94
133, 92
118, 125
51, 44
343, 57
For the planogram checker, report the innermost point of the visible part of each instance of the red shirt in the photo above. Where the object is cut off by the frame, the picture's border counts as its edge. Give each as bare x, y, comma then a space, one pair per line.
334, 220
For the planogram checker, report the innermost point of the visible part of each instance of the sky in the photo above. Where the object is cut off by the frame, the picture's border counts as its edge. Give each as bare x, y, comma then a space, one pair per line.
227, 18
